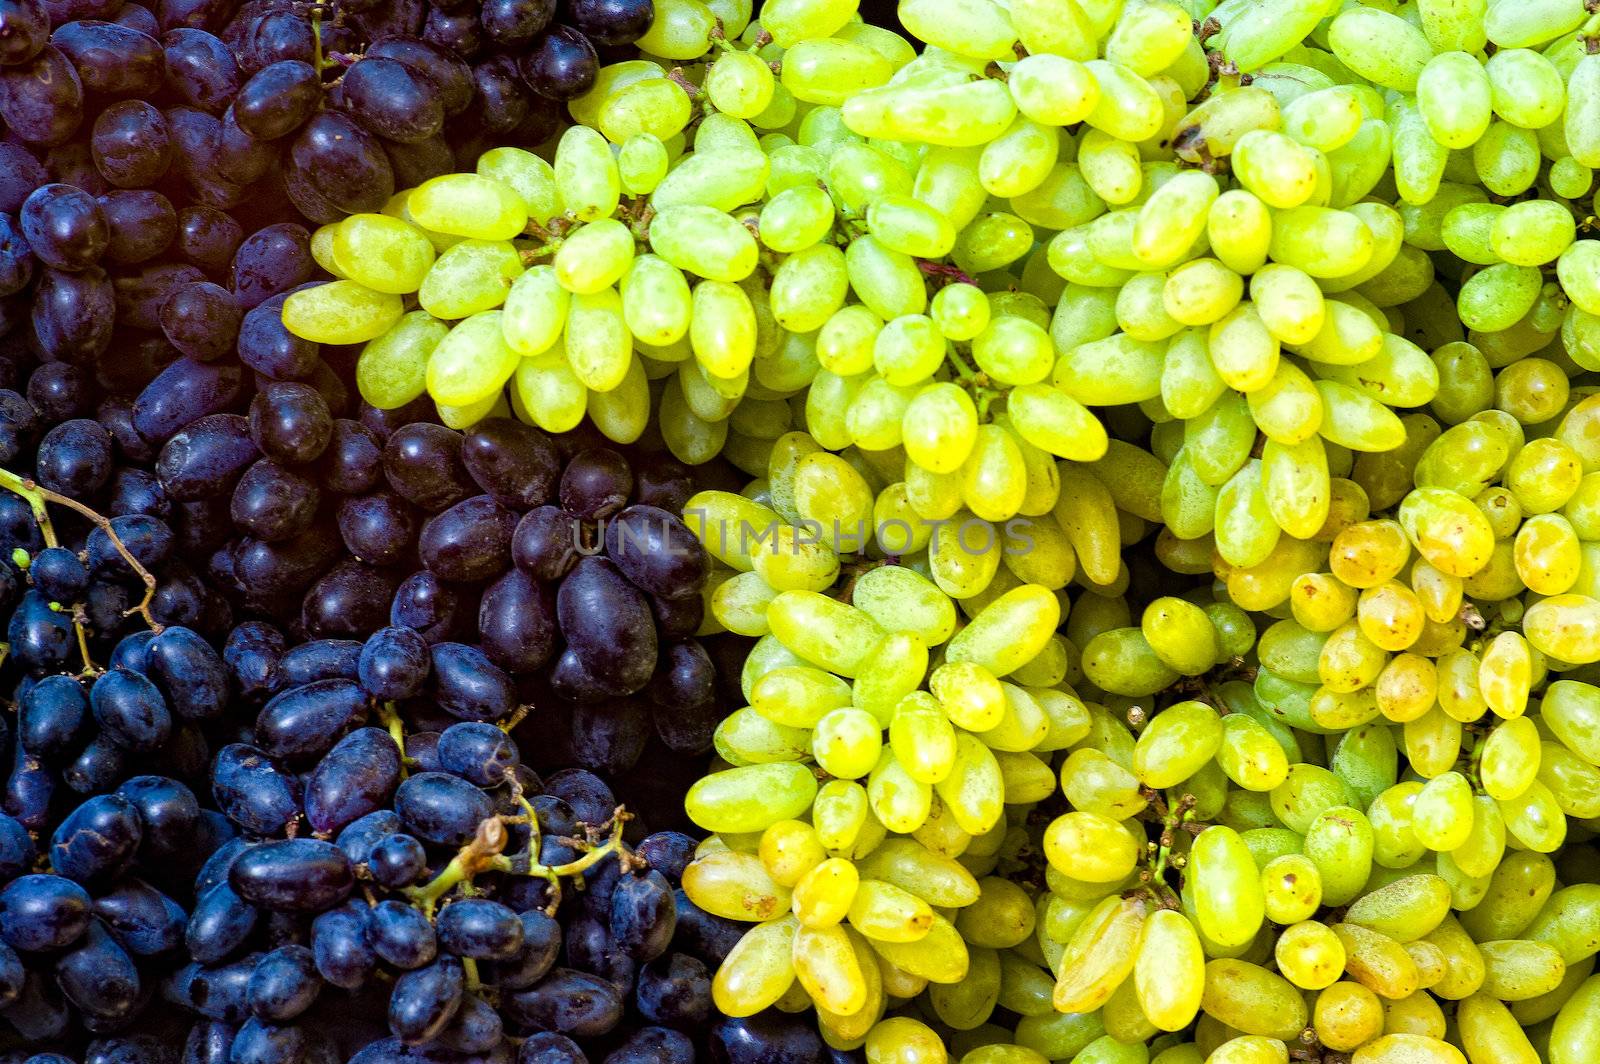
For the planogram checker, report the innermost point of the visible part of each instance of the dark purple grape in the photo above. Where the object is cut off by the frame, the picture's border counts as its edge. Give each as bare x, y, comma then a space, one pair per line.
467, 685
143, 224
273, 37
28, 792
73, 313
65, 227
446, 70
278, 99
251, 655
130, 711
353, 461
348, 600
196, 152
206, 458
259, 1042
242, 158
517, 622
560, 65
668, 852
422, 463
711, 938
20, 172
596, 484
221, 923
503, 97
41, 99
148, 539
653, 1045
283, 984
189, 672
201, 320
546, 542
208, 238
62, 11
515, 463
611, 22
219, 993
479, 753
272, 350
111, 60
643, 916
97, 768
75, 458
428, 605
272, 502
303, 195
200, 68
515, 23
588, 796
24, 29
547, 1047
137, 17
59, 574
294, 875
290, 422
377, 529
392, 100
770, 1037
441, 809
394, 664
183, 394
271, 261
397, 861
656, 551
419, 161
344, 163
455, 31
358, 839
401, 935
304, 722
134, 491
607, 624
170, 814
116, 414
567, 1002
678, 618
609, 736
319, 659
357, 777
96, 841
469, 541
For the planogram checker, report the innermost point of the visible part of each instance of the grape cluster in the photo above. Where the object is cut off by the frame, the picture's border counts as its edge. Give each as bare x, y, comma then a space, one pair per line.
1168, 554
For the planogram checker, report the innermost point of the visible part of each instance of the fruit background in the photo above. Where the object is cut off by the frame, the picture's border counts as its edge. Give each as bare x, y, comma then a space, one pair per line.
539, 532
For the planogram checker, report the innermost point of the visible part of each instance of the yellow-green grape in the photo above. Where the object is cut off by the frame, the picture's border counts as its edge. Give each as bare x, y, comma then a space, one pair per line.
385, 254
1441, 816
531, 178
840, 814
704, 241
470, 205
535, 311
1181, 635
923, 741
472, 363
1053, 89
1090, 847
392, 369
1227, 888
596, 339
1291, 888
735, 885
1008, 632
1173, 218
970, 694
790, 849
1121, 661
641, 163
750, 798
1176, 743
1239, 229
1340, 843
1309, 955
548, 390
739, 84
340, 312
1169, 971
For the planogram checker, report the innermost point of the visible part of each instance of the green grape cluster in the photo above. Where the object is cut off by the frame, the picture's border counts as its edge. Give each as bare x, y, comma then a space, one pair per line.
1173, 542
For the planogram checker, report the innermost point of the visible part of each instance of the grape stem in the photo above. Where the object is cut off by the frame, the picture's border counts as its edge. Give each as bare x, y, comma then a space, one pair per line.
37, 498
389, 717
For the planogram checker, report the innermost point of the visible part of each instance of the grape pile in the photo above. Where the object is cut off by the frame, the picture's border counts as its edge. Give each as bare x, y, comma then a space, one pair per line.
1170, 554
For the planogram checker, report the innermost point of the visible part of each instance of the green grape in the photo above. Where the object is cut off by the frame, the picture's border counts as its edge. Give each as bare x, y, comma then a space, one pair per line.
704, 241
594, 257
470, 277
472, 363
718, 177
1053, 89
385, 254
547, 388
340, 312
1453, 96
641, 164
468, 205
392, 369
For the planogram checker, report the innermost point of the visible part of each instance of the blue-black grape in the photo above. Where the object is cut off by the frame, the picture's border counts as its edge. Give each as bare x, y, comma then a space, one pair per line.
481, 929
353, 461
517, 622
515, 463
51, 718
428, 605
142, 919
674, 990
348, 600
424, 1001
221, 923
306, 721
24, 29
190, 672
568, 1002
268, 38
653, 1045
397, 861
656, 552
770, 1037
220, 992
343, 162
548, 1047
611, 22
643, 916
358, 838
242, 158
608, 626
208, 238
100, 978
401, 935
283, 984
479, 753
394, 664
340, 948
131, 144
43, 912
98, 766
545, 543
131, 710
277, 99
17, 262
170, 815
251, 656
251, 791
319, 659
357, 777
148, 539
476, 1028
41, 638
97, 841
454, 31
449, 72
271, 350
259, 1042
503, 97
441, 809
467, 685
271, 260
292, 875
65, 227
378, 529
17, 850
182, 394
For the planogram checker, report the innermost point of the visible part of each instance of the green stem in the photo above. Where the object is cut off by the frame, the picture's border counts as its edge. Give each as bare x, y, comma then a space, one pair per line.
389, 717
